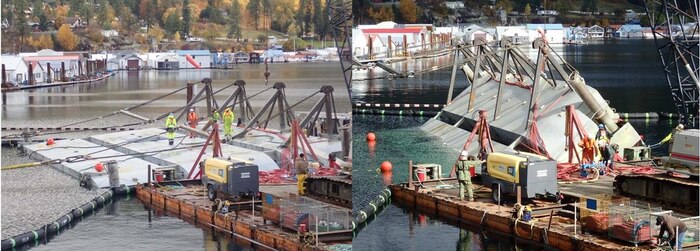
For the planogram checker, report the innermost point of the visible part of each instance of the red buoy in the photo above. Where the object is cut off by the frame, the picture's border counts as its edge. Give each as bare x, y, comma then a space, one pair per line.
99, 167
50, 142
371, 136
386, 166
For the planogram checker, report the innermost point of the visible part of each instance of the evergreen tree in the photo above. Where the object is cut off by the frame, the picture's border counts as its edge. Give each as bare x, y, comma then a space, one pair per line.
186, 22
253, 8
20, 23
320, 19
172, 23
300, 17
235, 23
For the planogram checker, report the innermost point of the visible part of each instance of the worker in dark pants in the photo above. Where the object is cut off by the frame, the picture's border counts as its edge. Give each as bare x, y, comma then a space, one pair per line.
464, 178
170, 124
602, 137
302, 168
672, 224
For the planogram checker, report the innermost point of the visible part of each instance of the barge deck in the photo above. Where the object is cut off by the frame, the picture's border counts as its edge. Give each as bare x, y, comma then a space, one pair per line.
250, 225
552, 226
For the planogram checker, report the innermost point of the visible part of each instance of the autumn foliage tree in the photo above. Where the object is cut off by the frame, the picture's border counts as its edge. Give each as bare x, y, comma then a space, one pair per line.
409, 10
66, 38
383, 14
42, 42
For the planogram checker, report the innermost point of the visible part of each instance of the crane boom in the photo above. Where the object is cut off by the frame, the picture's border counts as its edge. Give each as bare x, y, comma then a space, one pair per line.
674, 24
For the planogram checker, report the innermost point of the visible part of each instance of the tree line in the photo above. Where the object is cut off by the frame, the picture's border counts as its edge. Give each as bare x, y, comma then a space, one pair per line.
172, 19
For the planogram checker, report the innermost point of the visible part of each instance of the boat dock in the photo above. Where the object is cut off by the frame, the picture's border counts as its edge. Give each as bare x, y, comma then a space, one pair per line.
54, 84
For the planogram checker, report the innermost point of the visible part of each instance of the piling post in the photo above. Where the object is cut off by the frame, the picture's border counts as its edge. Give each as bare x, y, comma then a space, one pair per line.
388, 52
149, 176
4, 80
410, 174
31, 74
113, 171
347, 142
405, 46
369, 44
63, 72
190, 92
80, 67
422, 41
48, 72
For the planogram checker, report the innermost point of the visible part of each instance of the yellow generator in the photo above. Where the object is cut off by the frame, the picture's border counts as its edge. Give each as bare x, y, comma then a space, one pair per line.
228, 180
536, 175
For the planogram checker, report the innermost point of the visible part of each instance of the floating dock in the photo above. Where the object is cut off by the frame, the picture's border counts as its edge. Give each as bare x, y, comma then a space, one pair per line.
254, 226
25, 87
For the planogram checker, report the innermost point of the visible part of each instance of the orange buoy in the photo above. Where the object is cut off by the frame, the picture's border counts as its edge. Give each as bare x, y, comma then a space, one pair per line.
386, 166
99, 167
371, 136
50, 142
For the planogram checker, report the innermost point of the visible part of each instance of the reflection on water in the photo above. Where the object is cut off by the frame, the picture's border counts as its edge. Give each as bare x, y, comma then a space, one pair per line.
62, 105
126, 225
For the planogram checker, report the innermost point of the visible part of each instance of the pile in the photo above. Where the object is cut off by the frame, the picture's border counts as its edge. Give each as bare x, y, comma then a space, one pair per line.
276, 176
596, 223
280, 175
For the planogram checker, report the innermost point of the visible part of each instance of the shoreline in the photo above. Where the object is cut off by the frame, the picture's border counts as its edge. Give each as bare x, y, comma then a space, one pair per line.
26, 87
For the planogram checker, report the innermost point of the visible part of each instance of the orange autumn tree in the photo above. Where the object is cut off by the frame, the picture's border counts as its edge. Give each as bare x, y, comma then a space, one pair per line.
66, 38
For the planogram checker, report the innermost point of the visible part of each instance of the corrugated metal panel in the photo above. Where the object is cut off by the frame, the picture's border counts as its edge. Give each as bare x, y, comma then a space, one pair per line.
513, 116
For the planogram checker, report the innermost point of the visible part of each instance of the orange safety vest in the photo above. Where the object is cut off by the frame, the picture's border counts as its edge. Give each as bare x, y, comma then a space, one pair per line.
192, 117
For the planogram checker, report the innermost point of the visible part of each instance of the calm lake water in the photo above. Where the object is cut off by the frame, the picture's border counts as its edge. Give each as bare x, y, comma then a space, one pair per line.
626, 72
131, 229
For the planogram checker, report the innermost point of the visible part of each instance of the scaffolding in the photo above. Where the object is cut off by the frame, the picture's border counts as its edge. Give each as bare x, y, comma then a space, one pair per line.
630, 221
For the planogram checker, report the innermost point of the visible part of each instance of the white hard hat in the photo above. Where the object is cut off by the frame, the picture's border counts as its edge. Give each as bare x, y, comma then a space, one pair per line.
464, 153
191, 109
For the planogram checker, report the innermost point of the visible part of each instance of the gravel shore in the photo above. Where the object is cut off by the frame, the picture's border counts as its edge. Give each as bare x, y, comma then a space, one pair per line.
33, 197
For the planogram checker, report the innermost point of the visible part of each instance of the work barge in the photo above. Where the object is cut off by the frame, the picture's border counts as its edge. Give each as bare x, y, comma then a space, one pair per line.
565, 225
259, 224
514, 104
166, 176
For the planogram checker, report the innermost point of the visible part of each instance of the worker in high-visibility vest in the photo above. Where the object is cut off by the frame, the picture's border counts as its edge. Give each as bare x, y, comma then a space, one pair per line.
588, 150
215, 115
193, 119
228, 122
170, 125
464, 176
302, 168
